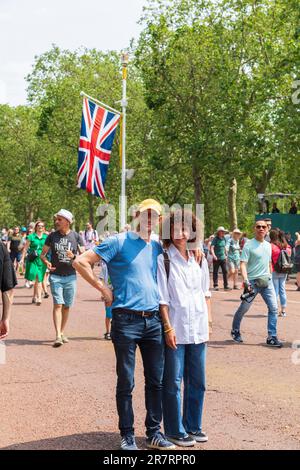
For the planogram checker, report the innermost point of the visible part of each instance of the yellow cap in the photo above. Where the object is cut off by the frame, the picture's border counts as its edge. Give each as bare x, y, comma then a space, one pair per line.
150, 204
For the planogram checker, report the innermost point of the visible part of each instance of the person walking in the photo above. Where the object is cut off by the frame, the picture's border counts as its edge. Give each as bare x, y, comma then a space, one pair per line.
108, 313
15, 247
184, 304
8, 281
90, 236
131, 258
234, 256
218, 251
279, 244
35, 268
64, 243
256, 272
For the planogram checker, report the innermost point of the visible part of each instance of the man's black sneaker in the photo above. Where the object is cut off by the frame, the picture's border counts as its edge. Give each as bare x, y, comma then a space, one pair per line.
199, 436
128, 442
274, 342
216, 288
227, 288
186, 441
158, 441
236, 336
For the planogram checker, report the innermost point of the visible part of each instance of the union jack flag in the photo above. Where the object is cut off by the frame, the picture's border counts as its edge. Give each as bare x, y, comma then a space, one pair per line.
98, 127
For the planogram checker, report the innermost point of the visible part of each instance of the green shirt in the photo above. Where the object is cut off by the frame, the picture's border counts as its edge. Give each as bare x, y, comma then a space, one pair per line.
219, 245
257, 255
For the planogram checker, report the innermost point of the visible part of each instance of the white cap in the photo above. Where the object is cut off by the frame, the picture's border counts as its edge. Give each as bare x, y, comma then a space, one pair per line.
66, 214
221, 229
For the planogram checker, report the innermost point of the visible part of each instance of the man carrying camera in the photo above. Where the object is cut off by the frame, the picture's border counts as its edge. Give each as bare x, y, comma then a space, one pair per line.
256, 272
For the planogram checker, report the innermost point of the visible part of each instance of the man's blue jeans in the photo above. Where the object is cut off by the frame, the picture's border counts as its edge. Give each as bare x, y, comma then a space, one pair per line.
269, 297
186, 363
129, 330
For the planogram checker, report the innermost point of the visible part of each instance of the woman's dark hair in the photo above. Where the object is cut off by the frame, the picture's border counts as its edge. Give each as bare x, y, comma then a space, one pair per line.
282, 239
277, 237
182, 217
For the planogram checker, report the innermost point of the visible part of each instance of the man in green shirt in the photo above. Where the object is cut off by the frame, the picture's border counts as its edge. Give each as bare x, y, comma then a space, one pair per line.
218, 251
256, 272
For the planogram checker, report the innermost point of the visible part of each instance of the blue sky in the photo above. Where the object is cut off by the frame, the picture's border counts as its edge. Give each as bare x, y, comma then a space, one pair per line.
29, 27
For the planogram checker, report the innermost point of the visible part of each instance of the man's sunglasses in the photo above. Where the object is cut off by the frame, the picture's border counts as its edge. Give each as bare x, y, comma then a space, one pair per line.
260, 226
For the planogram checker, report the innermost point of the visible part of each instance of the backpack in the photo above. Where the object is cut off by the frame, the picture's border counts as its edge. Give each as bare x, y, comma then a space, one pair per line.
284, 263
167, 263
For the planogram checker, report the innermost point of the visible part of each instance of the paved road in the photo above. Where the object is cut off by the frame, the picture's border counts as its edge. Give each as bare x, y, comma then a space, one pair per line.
64, 398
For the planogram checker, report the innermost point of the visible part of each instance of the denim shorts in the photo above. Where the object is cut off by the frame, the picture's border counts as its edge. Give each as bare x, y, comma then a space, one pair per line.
15, 255
63, 289
108, 312
233, 263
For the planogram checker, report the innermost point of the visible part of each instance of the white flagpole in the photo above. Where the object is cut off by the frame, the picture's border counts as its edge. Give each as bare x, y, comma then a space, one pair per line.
123, 208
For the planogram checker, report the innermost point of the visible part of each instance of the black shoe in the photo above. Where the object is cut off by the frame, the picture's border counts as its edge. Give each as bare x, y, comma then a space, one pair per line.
187, 441
46, 295
216, 288
274, 342
236, 336
199, 436
227, 288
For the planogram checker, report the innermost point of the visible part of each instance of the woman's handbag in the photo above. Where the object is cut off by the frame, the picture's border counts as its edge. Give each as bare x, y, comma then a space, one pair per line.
32, 255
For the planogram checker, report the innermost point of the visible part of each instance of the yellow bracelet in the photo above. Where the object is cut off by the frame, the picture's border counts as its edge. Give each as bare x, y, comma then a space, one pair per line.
168, 331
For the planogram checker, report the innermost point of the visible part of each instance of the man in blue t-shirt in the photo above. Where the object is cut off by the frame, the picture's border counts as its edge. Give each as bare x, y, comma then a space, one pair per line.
131, 259
256, 272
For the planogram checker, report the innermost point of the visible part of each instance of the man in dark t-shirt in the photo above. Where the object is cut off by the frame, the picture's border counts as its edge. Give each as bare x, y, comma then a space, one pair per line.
63, 244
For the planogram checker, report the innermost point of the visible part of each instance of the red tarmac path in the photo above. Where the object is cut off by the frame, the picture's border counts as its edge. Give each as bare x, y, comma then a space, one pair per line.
65, 398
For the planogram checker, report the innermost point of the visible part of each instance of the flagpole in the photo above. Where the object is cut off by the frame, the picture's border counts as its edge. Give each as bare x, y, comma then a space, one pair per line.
123, 208
100, 103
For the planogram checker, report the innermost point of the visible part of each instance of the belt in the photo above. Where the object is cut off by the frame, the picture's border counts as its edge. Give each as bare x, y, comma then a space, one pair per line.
141, 313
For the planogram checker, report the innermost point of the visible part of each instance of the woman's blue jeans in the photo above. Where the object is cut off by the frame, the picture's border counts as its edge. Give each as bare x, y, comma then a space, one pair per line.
279, 280
186, 363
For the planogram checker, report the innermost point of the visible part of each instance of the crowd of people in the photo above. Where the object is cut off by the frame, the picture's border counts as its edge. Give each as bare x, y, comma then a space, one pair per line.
157, 296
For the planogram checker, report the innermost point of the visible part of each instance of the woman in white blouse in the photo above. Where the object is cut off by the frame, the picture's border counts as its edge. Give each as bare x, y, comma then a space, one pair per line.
185, 309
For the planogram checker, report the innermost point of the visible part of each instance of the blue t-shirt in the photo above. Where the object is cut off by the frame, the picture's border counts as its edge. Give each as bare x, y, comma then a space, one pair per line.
132, 268
257, 255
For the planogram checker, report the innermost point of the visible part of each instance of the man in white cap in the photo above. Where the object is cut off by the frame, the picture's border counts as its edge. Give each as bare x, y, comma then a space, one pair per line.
63, 244
218, 251
131, 259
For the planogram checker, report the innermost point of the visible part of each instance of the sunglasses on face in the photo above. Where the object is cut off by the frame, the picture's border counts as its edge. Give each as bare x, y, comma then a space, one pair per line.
261, 226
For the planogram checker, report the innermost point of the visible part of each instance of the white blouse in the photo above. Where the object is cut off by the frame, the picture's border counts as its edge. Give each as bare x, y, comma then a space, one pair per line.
184, 292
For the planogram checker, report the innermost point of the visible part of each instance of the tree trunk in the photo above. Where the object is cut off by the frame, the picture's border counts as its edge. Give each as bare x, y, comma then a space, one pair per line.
260, 184
197, 186
232, 203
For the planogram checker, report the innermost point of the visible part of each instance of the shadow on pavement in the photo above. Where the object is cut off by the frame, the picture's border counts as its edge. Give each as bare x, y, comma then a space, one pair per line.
47, 342
259, 315
85, 441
